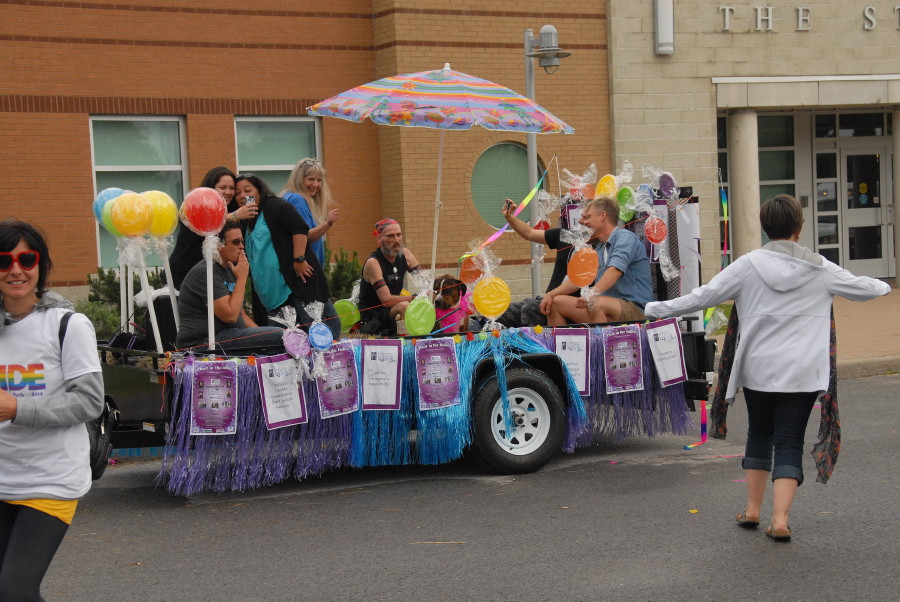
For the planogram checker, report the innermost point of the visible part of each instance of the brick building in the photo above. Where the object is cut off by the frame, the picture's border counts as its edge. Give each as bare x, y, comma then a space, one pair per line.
149, 94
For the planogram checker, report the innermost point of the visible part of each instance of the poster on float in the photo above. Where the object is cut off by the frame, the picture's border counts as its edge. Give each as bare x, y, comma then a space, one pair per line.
437, 372
280, 391
622, 358
664, 339
338, 390
382, 373
214, 398
574, 348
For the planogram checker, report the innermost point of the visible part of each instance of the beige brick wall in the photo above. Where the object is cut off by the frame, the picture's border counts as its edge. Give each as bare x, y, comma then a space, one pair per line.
663, 107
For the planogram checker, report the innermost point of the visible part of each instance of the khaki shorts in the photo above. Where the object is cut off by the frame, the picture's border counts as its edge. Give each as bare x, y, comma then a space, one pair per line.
630, 312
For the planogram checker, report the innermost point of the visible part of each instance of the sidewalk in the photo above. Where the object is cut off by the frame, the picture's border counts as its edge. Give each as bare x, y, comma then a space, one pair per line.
868, 336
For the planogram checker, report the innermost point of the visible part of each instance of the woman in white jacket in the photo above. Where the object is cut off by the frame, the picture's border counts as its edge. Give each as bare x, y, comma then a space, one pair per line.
783, 294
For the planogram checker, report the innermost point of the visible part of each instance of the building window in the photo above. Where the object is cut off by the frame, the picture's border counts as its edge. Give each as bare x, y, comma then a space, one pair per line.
501, 172
139, 154
724, 236
776, 158
271, 146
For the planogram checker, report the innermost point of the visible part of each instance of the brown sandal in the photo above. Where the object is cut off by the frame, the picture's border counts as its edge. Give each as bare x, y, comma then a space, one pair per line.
746, 522
779, 534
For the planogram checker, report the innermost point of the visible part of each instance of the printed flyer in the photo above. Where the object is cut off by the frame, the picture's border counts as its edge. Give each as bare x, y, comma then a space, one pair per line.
338, 391
622, 358
283, 401
574, 348
664, 339
437, 371
382, 364
214, 399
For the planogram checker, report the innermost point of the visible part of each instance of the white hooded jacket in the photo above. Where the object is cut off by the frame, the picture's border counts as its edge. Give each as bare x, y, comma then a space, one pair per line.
783, 294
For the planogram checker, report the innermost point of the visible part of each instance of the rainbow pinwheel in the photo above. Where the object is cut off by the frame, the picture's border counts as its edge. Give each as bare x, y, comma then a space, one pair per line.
444, 100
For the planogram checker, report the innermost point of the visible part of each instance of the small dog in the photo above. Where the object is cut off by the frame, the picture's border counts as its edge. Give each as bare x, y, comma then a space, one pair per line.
451, 304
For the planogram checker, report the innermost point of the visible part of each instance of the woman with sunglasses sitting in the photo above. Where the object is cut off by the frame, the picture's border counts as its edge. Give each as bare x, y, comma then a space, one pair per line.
307, 191
48, 391
286, 276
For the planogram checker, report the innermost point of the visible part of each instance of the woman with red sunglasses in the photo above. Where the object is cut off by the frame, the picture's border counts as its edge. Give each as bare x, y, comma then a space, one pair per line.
47, 392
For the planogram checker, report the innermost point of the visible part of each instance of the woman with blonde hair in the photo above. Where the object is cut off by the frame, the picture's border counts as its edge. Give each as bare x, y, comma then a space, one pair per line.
307, 191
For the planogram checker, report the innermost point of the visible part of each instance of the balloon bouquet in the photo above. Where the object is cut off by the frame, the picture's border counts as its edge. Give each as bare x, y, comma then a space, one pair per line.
129, 216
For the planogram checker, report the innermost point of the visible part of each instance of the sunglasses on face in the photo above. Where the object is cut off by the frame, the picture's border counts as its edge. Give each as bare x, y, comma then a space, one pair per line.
26, 259
236, 242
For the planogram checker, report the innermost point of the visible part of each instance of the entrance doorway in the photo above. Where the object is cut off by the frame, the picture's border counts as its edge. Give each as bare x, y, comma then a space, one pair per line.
865, 201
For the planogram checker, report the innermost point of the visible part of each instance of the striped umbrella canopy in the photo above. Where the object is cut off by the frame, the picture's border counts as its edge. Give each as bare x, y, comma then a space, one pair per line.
443, 99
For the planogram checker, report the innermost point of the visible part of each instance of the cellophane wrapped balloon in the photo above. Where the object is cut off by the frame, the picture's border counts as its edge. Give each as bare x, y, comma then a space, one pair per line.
203, 211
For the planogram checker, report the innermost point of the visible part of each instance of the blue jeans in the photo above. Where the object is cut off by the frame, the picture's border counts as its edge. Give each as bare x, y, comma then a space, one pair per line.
777, 421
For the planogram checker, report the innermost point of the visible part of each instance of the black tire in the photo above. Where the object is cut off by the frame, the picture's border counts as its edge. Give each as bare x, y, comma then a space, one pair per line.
539, 411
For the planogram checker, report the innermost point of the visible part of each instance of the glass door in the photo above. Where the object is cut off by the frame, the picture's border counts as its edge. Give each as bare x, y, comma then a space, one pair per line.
867, 239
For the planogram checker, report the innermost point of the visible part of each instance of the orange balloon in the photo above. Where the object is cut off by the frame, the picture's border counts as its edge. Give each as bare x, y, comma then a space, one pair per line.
468, 271
589, 191
583, 266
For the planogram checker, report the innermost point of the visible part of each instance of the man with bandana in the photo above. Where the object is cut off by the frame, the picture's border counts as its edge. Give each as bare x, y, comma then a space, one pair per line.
381, 303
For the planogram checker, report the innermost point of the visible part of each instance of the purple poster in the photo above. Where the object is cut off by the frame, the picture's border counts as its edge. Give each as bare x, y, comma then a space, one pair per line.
214, 398
382, 365
574, 348
664, 339
338, 391
622, 358
280, 391
437, 372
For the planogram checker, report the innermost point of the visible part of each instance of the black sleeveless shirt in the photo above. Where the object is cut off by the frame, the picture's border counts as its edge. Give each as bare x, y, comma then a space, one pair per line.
393, 275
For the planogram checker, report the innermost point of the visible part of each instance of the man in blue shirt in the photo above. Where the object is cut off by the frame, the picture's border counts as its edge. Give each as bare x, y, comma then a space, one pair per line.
622, 287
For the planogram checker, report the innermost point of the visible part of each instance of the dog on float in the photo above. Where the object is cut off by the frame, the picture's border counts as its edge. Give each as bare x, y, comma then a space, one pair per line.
452, 304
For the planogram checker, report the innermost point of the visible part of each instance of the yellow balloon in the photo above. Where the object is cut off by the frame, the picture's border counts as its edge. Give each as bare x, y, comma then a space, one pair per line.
607, 188
165, 213
131, 214
491, 297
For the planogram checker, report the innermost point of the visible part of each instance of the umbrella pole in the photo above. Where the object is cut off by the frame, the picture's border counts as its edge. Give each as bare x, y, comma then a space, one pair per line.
437, 207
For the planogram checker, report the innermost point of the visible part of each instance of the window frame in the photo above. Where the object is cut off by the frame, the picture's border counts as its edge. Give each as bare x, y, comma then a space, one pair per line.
257, 167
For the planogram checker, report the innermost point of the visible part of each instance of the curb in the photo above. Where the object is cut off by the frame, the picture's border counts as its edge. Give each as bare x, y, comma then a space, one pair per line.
864, 367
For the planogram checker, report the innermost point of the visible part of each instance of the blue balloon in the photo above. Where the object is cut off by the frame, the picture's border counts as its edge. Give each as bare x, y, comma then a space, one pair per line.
320, 336
105, 196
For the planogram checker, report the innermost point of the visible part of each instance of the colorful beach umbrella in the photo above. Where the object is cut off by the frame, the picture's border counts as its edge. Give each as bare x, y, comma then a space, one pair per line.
444, 100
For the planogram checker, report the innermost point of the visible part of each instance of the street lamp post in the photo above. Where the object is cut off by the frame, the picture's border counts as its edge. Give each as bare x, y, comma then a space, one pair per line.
546, 49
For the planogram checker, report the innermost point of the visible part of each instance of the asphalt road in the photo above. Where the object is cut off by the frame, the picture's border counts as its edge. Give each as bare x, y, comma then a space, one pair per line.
643, 520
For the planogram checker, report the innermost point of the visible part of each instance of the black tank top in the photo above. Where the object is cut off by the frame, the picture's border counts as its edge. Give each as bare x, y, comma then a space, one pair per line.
393, 274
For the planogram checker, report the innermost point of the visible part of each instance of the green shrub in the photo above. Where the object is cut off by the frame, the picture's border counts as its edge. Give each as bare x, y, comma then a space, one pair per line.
343, 273
104, 317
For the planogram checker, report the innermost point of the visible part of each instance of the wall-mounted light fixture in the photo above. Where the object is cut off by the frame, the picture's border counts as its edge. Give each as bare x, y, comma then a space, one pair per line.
664, 26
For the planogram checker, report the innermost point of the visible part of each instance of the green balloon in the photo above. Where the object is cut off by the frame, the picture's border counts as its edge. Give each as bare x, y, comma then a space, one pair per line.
107, 219
420, 316
626, 198
348, 313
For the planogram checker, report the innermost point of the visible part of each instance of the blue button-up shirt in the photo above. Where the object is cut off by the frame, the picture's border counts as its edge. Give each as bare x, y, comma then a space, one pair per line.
625, 251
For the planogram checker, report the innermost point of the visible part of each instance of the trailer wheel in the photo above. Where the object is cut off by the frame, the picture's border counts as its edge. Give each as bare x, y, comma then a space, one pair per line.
539, 416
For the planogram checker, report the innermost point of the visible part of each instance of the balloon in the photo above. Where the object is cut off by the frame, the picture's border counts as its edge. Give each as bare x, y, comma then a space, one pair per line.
106, 218
667, 185
588, 191
626, 203
105, 196
420, 316
583, 266
131, 214
491, 297
348, 313
644, 197
607, 188
203, 211
165, 213
320, 336
655, 230
468, 271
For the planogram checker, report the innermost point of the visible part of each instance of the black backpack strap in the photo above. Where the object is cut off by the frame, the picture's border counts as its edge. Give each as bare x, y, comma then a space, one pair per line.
63, 325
